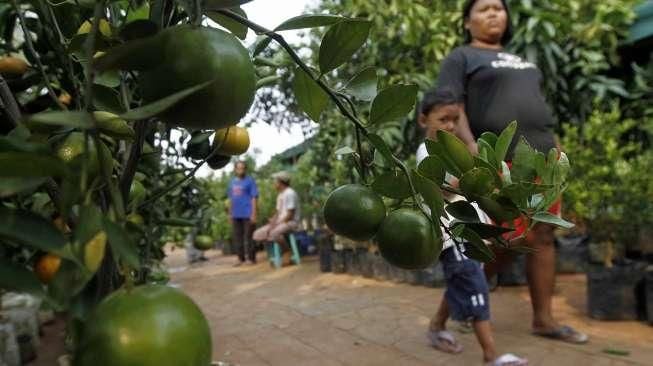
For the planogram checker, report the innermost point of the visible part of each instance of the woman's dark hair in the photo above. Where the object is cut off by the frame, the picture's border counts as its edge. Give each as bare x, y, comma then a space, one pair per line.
438, 97
467, 10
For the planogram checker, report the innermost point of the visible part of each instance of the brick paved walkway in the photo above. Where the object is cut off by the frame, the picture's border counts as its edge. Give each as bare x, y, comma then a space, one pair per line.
299, 316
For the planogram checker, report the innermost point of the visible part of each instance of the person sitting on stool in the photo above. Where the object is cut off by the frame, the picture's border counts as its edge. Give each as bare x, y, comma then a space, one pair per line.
285, 220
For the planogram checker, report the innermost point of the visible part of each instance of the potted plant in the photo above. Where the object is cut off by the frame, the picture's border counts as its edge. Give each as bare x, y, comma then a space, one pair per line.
608, 196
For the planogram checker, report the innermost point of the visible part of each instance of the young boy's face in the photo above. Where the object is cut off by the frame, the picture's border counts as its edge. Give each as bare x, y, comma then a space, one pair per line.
442, 117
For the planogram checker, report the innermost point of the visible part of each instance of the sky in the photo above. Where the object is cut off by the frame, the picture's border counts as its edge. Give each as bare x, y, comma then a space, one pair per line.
267, 140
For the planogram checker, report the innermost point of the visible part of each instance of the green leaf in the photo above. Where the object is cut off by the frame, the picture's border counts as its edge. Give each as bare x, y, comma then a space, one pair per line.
161, 105
310, 97
31, 165
363, 85
19, 279
27, 228
10, 186
392, 103
107, 99
89, 224
122, 246
524, 162
139, 28
504, 141
63, 118
261, 45
477, 182
69, 281
485, 231
308, 21
138, 54
341, 41
463, 211
109, 78
476, 249
392, 185
238, 29
223, 4
381, 147
430, 192
480, 163
432, 168
456, 150
490, 138
488, 153
346, 150
438, 150
140, 13
500, 209
549, 218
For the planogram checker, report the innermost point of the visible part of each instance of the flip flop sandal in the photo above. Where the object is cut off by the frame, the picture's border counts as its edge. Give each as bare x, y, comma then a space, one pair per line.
444, 341
508, 360
564, 333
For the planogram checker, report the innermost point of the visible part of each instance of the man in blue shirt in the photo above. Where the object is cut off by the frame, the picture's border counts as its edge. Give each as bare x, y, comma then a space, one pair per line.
243, 196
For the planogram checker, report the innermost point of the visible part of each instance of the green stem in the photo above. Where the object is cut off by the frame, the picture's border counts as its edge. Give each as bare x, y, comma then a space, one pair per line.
186, 178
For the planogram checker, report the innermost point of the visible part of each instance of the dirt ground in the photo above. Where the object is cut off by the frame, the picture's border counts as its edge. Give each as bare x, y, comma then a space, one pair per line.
300, 316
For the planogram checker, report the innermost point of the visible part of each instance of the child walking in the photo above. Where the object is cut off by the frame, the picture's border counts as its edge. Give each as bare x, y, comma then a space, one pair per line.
467, 294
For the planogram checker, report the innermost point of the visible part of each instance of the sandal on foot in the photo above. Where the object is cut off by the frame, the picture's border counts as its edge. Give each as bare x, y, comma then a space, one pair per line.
564, 333
444, 341
508, 360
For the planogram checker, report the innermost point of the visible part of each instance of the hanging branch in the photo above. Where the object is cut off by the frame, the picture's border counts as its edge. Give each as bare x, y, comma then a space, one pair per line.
37, 57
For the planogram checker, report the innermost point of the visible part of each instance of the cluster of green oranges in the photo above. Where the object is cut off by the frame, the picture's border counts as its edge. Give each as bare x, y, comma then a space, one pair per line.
406, 237
153, 324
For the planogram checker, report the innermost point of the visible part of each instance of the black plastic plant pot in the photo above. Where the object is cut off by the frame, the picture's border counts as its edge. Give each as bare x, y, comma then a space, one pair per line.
513, 274
381, 268
572, 254
325, 258
367, 264
338, 261
612, 293
648, 297
412, 277
432, 276
349, 260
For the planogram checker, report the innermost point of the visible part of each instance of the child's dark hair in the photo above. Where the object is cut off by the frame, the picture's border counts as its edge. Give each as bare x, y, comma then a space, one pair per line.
437, 98
467, 10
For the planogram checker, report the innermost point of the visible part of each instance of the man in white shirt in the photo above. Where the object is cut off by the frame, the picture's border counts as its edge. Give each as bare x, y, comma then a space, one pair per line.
286, 218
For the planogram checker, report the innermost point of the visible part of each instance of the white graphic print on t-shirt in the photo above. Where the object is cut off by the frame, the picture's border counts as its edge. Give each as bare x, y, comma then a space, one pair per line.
509, 61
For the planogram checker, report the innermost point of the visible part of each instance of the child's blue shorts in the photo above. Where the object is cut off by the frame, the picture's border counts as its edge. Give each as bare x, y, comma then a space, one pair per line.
467, 290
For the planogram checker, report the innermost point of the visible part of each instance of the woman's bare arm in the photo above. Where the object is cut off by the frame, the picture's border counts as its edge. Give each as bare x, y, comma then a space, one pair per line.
464, 132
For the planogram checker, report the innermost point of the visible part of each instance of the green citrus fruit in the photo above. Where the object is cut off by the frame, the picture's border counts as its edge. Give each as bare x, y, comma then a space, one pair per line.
198, 148
232, 141
137, 192
218, 161
354, 211
71, 150
112, 125
193, 55
149, 325
408, 240
203, 242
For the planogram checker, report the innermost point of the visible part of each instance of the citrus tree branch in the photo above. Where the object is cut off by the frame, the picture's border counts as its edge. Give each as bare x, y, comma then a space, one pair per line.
8, 103
30, 46
302, 65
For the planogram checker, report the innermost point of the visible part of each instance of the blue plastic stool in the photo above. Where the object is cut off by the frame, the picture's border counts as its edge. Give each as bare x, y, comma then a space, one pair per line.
274, 252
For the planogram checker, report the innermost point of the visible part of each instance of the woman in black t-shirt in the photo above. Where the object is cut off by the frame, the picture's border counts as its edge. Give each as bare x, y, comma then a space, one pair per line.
498, 87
